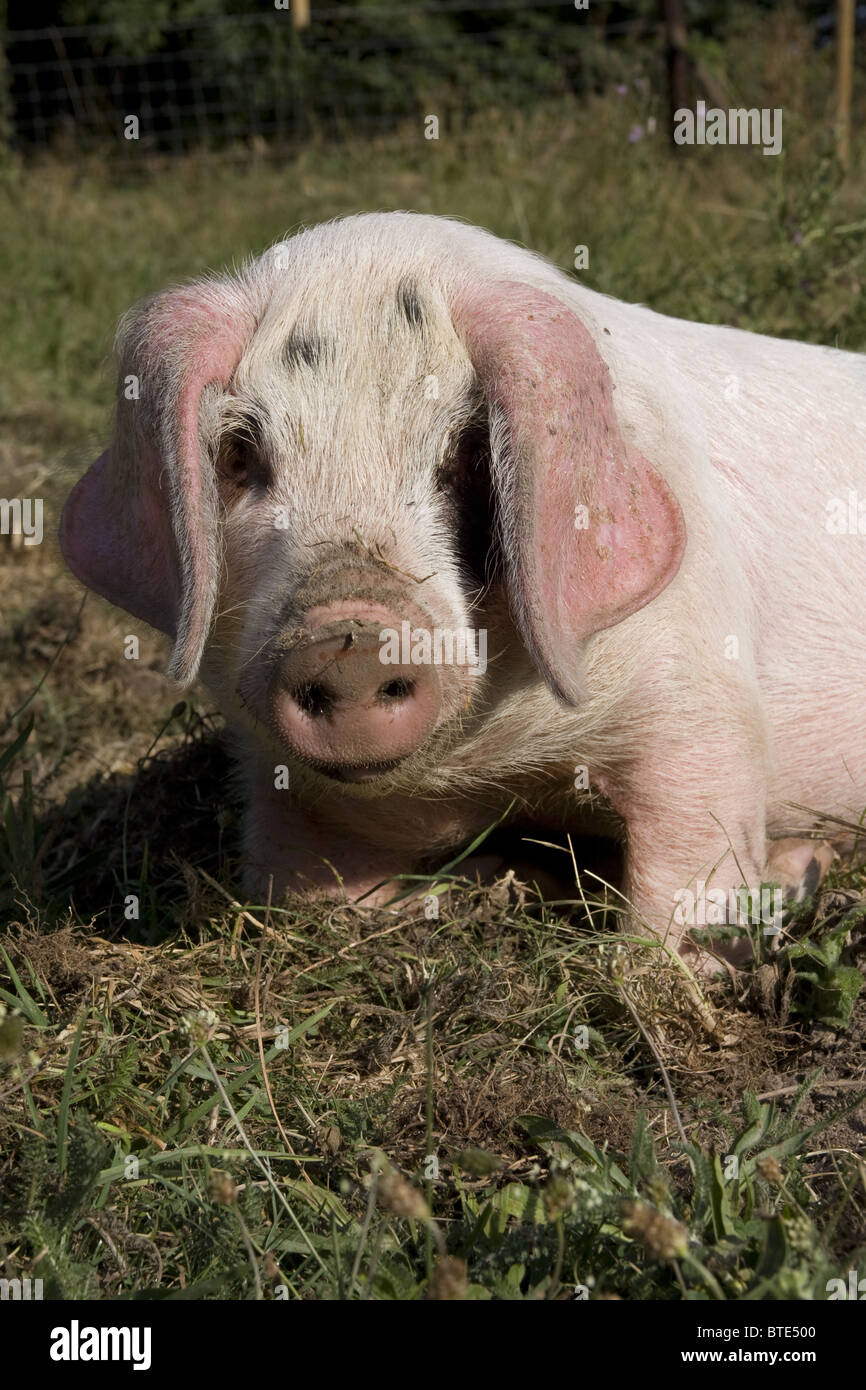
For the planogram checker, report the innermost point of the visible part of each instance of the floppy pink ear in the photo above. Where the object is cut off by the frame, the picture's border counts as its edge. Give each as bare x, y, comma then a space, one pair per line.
590, 531
140, 527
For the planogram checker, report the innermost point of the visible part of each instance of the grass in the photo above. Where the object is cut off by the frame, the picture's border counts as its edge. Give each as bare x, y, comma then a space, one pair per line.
203, 1098
280, 1100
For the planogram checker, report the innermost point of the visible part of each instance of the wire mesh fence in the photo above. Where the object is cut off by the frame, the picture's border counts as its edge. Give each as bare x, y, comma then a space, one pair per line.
221, 80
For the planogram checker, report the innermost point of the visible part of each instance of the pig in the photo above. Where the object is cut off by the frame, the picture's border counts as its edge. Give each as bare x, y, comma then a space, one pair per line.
451, 538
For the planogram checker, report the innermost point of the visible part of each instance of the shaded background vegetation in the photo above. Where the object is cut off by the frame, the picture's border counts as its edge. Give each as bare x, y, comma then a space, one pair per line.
210, 72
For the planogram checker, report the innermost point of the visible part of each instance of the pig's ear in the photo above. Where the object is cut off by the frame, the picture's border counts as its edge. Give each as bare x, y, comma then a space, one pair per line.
589, 531
140, 527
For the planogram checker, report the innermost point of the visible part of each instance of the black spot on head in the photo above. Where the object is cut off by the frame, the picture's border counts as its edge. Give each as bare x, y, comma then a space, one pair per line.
303, 349
409, 303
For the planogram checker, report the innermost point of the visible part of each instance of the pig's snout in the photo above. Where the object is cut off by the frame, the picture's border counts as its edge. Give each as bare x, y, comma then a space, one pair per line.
339, 707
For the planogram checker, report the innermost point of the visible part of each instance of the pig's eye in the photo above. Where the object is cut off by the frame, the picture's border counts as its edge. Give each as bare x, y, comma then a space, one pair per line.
461, 457
240, 466
464, 479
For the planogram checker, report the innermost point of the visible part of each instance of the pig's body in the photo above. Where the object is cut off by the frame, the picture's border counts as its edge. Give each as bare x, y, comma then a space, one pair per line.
696, 644
792, 442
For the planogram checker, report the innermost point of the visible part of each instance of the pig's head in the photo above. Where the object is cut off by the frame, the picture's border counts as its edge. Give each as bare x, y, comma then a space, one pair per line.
323, 468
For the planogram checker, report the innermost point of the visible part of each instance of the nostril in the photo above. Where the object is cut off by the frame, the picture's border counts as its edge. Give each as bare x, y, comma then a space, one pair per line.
397, 689
313, 699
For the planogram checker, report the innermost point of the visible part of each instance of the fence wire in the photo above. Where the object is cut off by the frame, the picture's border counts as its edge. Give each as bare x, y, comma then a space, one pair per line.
223, 80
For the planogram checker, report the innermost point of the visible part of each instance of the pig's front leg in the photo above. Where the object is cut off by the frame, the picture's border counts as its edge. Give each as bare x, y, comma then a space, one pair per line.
288, 849
696, 830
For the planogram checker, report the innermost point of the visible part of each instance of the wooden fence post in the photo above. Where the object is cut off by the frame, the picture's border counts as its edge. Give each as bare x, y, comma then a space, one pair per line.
677, 59
844, 78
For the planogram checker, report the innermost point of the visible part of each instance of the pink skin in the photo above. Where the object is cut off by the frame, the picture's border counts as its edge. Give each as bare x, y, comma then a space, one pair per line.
592, 532
569, 581
131, 543
337, 706
341, 848
599, 533
324, 613
291, 850
351, 851
681, 830
367, 842
99, 550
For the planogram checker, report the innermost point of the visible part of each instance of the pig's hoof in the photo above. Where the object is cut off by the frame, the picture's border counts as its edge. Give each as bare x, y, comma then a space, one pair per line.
707, 965
800, 866
724, 957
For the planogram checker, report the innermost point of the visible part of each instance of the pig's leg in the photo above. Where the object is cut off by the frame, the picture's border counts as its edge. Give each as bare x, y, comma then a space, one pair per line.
689, 821
654, 885
691, 817
304, 851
